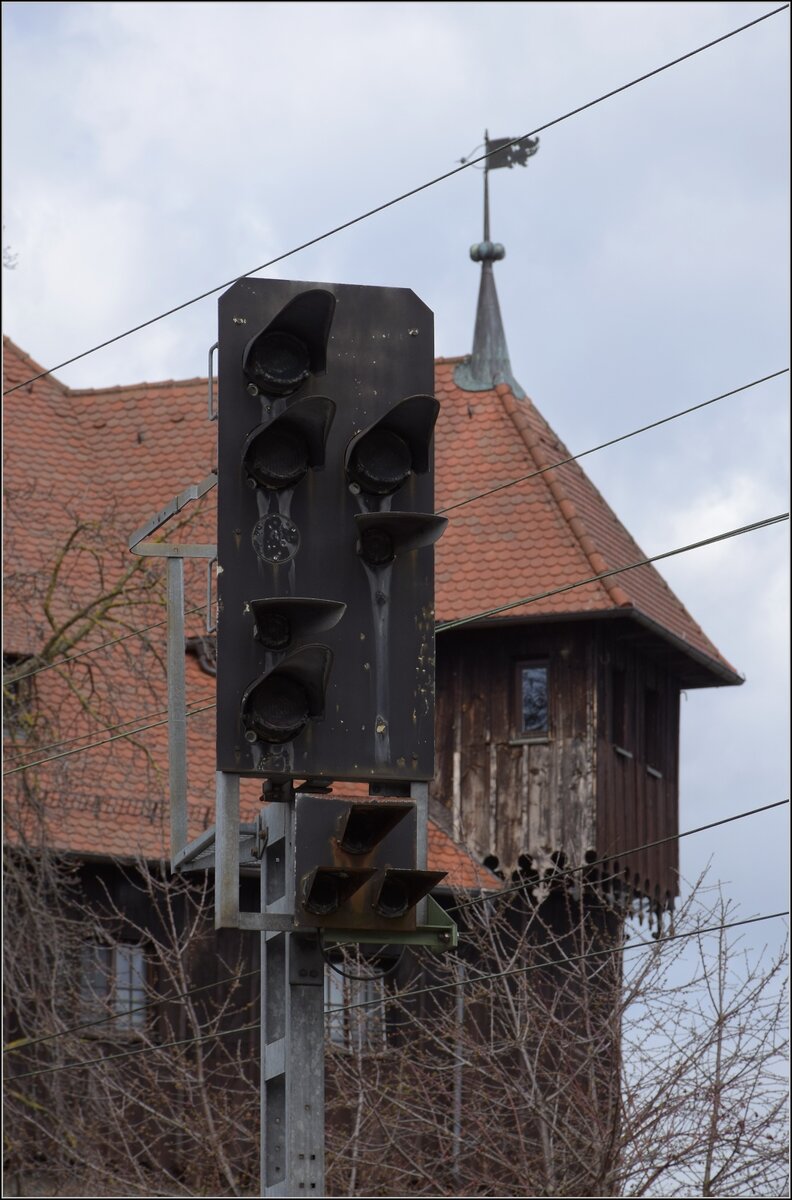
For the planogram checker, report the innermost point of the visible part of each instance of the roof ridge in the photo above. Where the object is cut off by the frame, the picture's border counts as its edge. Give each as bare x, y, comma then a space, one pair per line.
195, 381
511, 405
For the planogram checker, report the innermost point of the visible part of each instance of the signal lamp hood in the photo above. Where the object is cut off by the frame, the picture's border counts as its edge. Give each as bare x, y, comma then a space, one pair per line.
278, 454
381, 458
279, 359
282, 620
384, 536
400, 891
325, 889
278, 706
364, 826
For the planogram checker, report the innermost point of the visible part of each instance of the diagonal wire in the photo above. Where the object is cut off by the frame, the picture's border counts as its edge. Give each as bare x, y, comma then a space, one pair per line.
671, 937
443, 625
408, 995
103, 645
18, 1046
643, 562
91, 733
404, 196
613, 442
92, 746
620, 854
478, 496
90, 1062
15, 1048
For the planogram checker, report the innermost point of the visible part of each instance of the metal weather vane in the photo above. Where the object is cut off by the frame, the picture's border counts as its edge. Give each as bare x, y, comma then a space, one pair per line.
489, 361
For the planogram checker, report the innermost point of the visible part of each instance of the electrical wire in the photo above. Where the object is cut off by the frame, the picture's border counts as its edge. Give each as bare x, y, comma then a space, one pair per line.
613, 442
14, 1048
103, 646
621, 854
105, 741
671, 937
91, 733
398, 199
410, 995
24, 1044
90, 1062
643, 562
444, 625
359, 978
458, 504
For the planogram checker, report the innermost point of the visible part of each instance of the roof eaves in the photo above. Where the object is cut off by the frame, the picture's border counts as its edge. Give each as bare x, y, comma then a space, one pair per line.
727, 675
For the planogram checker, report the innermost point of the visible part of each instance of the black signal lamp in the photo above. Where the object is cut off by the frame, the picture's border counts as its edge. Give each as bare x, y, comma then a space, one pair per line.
278, 364
278, 706
399, 891
363, 826
278, 454
380, 459
380, 462
278, 360
383, 536
277, 460
325, 889
277, 712
376, 546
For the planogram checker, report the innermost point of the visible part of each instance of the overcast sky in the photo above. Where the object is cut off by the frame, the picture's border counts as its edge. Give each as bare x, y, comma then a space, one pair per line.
152, 151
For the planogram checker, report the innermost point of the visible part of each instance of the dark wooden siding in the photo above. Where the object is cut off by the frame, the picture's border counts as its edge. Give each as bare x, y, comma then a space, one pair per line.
577, 789
637, 798
506, 793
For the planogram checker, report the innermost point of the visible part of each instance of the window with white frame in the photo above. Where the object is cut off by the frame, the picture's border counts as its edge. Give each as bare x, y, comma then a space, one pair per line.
355, 1011
113, 983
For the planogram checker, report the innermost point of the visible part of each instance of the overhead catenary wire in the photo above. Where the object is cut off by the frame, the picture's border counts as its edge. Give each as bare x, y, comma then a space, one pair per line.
61, 662
333, 1010
642, 562
103, 1058
22, 1044
610, 950
494, 896
561, 462
403, 196
104, 741
617, 855
469, 500
444, 625
90, 733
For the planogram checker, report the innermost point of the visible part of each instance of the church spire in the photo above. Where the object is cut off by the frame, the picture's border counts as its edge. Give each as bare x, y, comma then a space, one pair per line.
489, 363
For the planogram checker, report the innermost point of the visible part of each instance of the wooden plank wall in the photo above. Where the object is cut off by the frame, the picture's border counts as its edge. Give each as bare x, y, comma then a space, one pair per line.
506, 794
634, 805
572, 791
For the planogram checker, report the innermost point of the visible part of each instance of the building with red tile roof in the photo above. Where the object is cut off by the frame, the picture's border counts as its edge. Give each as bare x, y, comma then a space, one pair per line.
85, 467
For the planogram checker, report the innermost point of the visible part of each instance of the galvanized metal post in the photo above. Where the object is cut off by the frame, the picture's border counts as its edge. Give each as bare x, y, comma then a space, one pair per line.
177, 716
226, 851
292, 1031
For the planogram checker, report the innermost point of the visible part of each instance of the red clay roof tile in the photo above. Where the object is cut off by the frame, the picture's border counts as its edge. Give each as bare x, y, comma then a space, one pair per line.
116, 455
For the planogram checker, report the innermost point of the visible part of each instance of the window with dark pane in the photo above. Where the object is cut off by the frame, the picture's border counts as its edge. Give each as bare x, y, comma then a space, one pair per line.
533, 698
